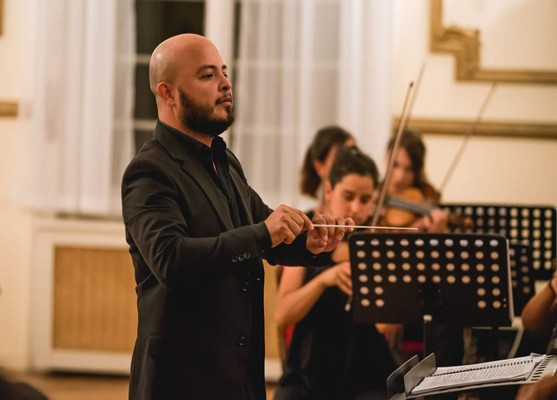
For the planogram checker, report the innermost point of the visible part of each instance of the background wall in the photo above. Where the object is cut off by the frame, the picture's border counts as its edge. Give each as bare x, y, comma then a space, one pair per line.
493, 169
513, 37
15, 226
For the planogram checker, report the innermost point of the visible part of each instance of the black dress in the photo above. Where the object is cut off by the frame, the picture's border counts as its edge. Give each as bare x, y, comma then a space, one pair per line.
332, 358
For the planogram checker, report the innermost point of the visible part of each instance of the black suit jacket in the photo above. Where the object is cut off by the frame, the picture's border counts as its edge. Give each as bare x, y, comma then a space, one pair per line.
199, 280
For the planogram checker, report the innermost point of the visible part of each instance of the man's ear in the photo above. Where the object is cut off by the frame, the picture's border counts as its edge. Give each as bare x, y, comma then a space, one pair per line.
164, 91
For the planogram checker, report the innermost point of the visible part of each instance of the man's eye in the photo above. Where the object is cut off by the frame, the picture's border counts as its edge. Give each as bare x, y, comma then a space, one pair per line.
208, 76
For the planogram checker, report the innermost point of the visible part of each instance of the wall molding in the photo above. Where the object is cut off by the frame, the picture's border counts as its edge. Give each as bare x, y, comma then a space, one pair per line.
486, 129
465, 43
8, 109
1, 17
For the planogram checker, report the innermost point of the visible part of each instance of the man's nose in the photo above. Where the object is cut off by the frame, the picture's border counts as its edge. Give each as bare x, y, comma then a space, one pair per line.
226, 85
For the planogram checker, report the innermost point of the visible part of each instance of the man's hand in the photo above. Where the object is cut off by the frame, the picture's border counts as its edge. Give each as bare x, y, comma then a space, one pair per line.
323, 239
285, 223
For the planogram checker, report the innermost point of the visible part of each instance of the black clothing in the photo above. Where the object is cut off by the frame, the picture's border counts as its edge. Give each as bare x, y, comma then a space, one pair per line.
332, 358
198, 270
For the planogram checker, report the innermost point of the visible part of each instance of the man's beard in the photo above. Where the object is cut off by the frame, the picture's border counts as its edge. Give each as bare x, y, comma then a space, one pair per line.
199, 118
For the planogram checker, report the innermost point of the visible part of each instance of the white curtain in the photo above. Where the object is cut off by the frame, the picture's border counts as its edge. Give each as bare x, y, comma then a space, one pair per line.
76, 113
304, 64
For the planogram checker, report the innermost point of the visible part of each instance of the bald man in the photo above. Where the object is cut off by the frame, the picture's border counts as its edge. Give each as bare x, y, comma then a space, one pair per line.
197, 234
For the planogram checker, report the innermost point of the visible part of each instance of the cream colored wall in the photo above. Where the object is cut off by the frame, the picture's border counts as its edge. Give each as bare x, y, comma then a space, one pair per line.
15, 230
492, 169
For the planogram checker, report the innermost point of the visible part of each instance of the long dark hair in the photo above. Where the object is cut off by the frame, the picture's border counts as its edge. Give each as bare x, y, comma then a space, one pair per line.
413, 144
351, 160
325, 139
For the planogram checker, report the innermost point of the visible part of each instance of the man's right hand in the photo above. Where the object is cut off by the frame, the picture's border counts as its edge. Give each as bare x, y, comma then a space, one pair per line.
285, 223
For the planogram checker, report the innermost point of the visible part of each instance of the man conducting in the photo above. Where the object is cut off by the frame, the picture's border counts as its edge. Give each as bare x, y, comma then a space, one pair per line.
197, 233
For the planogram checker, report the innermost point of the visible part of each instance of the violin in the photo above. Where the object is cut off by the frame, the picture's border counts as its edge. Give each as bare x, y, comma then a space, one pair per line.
412, 204
403, 210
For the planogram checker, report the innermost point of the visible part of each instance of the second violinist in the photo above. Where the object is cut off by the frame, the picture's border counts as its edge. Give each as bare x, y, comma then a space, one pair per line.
411, 200
418, 200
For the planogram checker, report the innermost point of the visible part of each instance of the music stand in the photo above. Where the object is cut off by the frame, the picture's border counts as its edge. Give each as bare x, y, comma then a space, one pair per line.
521, 276
527, 225
456, 279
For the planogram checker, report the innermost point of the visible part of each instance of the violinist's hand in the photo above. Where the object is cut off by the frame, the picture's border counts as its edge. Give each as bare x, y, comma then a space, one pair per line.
436, 222
338, 275
341, 253
553, 282
324, 239
392, 333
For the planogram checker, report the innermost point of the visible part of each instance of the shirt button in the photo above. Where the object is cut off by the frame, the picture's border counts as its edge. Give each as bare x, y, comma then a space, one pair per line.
242, 341
245, 286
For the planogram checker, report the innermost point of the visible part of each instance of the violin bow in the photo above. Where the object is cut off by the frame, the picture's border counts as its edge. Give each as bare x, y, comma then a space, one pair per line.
406, 110
409, 100
469, 133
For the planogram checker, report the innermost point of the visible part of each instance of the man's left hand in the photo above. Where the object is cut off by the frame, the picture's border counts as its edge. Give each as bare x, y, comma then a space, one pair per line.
323, 239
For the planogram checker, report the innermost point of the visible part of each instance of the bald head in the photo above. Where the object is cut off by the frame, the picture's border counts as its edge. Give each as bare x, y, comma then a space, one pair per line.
190, 82
168, 57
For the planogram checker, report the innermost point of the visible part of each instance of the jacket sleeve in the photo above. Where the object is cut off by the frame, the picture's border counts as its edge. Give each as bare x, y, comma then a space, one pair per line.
158, 229
294, 254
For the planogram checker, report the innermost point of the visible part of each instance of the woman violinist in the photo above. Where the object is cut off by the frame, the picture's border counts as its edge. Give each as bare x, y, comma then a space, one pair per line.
330, 357
319, 158
413, 202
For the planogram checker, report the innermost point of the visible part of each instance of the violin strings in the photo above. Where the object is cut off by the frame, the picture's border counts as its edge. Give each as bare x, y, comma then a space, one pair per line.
469, 133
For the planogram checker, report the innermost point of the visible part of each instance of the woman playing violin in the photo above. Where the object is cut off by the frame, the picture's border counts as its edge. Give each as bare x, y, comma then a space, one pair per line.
408, 183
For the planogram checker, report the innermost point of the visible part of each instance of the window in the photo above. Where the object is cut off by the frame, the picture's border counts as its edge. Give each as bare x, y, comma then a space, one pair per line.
156, 21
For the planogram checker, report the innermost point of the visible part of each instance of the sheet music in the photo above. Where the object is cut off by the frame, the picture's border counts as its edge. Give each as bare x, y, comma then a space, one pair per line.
495, 371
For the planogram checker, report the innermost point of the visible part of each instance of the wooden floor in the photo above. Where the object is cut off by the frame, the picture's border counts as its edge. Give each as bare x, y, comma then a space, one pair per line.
65, 386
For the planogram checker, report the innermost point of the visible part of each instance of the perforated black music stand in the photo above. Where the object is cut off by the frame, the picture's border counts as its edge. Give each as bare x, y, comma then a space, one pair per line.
523, 284
533, 226
457, 279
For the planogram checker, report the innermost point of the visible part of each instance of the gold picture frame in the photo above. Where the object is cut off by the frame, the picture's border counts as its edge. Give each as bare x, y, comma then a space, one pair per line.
486, 129
464, 44
1, 17
8, 109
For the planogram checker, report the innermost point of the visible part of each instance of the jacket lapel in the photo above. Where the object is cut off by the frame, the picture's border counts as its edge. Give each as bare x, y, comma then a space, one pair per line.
193, 167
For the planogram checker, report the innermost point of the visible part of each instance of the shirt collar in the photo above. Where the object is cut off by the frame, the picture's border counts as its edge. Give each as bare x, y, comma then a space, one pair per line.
218, 145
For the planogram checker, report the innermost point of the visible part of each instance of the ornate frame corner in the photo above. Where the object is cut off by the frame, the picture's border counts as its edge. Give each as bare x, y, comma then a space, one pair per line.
8, 109
465, 46
1, 17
